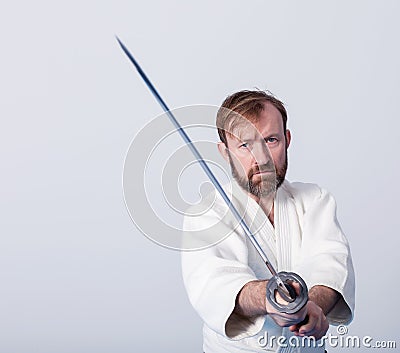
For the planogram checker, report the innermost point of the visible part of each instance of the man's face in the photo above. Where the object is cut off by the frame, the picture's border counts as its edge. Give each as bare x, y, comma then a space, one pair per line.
258, 153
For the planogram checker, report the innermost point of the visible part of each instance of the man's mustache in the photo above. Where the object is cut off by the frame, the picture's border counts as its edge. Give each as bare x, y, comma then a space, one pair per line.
268, 167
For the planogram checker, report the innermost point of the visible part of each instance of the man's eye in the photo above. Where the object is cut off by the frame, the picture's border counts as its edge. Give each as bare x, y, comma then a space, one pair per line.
271, 139
244, 145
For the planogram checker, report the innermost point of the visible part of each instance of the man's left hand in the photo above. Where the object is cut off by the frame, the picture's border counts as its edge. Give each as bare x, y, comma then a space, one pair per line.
316, 325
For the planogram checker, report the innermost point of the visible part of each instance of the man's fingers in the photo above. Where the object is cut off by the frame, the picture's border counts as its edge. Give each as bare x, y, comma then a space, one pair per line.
319, 330
311, 324
315, 323
296, 286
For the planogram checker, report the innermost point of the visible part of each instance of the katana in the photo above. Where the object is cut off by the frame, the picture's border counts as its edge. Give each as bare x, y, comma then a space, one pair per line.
281, 281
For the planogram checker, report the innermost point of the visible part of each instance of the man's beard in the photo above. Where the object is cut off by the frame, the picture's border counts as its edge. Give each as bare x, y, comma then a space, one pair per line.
267, 184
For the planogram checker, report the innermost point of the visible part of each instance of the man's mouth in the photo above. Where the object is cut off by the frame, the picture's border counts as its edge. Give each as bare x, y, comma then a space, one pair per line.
260, 172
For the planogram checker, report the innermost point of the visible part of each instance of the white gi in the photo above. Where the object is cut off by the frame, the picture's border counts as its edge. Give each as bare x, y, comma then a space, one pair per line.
306, 239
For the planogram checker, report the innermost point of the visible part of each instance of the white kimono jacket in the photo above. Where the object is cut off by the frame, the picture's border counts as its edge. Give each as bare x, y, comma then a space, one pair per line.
306, 239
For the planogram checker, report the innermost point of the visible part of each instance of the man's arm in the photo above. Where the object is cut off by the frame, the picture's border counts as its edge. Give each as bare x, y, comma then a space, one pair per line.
324, 297
251, 299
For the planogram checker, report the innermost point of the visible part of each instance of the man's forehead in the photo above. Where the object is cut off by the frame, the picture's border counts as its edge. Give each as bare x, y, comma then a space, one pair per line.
244, 132
269, 121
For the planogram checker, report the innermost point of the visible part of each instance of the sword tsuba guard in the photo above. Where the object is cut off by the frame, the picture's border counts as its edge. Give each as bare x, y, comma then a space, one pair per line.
294, 302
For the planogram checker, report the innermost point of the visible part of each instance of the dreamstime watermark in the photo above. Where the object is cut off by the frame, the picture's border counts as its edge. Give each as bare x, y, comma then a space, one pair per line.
339, 340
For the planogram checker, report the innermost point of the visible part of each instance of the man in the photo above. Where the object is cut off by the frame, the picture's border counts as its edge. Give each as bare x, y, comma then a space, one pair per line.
294, 223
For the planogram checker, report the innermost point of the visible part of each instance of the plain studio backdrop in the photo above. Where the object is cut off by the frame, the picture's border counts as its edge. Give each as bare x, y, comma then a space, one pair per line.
75, 273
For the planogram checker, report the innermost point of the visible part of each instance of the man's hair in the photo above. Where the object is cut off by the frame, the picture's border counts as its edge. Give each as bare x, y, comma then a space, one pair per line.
247, 104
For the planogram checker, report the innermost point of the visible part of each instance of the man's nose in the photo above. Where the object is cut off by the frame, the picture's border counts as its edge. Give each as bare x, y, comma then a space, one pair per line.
261, 153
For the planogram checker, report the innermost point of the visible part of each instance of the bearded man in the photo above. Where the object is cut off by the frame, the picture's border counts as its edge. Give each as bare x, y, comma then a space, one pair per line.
294, 223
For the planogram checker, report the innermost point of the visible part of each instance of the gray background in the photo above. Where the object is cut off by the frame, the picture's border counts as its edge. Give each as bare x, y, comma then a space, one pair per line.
75, 274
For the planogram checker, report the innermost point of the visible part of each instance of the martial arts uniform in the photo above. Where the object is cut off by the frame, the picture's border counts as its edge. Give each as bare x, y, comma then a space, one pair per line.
306, 239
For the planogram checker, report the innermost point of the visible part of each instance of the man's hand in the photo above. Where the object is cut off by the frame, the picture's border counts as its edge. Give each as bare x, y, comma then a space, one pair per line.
251, 301
316, 324
321, 301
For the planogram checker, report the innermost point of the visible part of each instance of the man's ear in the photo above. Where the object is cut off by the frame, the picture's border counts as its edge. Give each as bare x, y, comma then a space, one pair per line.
223, 150
288, 138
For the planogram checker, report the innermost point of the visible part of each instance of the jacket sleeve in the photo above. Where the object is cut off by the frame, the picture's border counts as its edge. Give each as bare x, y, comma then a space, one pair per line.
214, 275
325, 255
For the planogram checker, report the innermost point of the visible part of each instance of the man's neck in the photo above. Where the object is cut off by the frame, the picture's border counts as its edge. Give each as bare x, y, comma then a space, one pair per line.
267, 205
